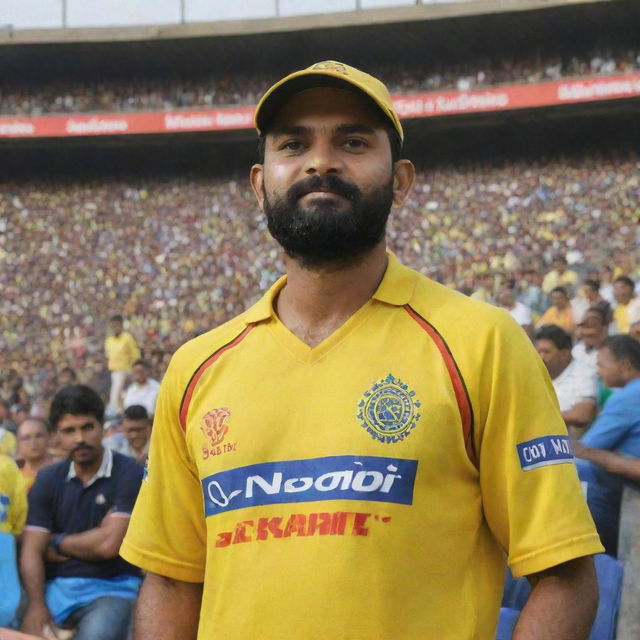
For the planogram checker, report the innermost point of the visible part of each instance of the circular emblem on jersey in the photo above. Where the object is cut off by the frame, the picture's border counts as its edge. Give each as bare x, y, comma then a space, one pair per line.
389, 410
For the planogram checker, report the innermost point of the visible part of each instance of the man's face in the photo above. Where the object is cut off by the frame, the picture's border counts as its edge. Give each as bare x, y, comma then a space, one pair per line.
137, 432
610, 370
622, 292
589, 293
139, 373
559, 300
328, 182
556, 360
33, 439
592, 331
116, 327
81, 437
559, 266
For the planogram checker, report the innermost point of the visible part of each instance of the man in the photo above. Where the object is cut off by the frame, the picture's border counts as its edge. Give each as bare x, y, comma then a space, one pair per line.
133, 438
559, 276
531, 293
626, 303
592, 331
78, 513
559, 313
617, 429
301, 451
143, 389
13, 501
575, 385
121, 351
517, 310
33, 448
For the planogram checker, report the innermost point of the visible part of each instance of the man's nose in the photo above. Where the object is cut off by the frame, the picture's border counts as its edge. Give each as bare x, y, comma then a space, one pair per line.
323, 158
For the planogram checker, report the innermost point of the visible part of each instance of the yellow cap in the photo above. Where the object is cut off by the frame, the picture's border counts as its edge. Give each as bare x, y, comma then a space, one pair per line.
325, 74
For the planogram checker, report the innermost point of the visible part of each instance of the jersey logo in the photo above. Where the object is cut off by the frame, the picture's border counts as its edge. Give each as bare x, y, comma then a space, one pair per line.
330, 65
214, 427
389, 410
541, 452
369, 478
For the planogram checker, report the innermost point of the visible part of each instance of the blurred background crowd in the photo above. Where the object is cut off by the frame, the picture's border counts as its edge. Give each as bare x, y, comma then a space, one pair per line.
223, 88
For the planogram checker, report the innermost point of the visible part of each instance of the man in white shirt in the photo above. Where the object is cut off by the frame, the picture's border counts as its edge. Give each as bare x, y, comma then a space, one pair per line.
575, 385
592, 332
143, 390
519, 311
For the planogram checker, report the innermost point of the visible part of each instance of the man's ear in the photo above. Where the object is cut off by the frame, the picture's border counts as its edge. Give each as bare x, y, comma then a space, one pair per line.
256, 177
404, 175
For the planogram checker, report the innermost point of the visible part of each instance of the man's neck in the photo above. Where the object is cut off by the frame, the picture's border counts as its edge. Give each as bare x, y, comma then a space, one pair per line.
316, 302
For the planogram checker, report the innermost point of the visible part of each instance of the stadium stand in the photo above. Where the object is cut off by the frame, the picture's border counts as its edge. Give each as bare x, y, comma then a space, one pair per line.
164, 229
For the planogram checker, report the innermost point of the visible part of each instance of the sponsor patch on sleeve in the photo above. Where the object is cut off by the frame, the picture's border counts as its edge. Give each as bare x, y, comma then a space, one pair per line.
544, 451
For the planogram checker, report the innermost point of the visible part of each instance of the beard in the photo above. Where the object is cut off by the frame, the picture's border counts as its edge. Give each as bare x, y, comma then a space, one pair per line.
321, 234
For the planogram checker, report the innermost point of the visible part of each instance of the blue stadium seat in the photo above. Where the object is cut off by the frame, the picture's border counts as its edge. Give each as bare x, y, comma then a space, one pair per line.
609, 571
9, 581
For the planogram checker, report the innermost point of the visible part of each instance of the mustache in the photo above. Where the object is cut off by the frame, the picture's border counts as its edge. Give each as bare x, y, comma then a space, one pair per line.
329, 183
81, 447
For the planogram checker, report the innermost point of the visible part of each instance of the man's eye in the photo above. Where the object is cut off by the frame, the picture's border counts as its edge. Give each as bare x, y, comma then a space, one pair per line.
355, 143
292, 145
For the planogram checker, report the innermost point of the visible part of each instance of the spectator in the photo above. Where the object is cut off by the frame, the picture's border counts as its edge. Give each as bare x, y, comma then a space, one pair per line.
626, 303
6, 422
591, 295
13, 501
559, 313
531, 292
574, 385
617, 429
592, 330
143, 389
121, 351
559, 276
33, 449
133, 440
78, 514
484, 291
518, 311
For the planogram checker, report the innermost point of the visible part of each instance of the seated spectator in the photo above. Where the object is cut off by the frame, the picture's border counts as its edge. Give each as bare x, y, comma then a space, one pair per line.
531, 294
13, 501
591, 332
33, 449
78, 514
143, 389
574, 384
590, 290
617, 429
518, 310
559, 276
133, 439
627, 303
559, 313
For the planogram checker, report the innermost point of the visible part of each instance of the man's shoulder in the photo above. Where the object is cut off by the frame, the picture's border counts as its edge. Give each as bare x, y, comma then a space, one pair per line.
126, 466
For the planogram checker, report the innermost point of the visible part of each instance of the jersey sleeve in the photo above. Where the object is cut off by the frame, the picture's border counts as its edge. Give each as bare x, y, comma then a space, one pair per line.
167, 533
532, 497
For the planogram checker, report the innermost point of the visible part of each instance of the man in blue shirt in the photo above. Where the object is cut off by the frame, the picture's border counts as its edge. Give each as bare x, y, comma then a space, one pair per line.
79, 511
617, 429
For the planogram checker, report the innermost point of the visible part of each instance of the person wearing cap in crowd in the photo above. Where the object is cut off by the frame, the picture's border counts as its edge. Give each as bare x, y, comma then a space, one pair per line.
615, 431
301, 450
122, 351
627, 303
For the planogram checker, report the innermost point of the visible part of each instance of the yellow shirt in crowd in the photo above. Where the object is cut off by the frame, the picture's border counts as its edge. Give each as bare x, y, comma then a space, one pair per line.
373, 486
13, 497
122, 351
562, 318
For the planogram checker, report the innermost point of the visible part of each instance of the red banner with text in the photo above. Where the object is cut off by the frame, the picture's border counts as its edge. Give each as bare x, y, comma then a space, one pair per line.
415, 105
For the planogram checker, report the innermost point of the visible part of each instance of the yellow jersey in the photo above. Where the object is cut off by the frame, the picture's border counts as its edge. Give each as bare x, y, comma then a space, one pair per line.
13, 497
371, 487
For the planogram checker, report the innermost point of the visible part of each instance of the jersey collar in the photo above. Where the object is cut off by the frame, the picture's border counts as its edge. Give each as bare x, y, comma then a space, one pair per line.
396, 288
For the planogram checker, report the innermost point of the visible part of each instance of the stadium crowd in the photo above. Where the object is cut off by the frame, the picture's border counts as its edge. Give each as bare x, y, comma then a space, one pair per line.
549, 241
228, 89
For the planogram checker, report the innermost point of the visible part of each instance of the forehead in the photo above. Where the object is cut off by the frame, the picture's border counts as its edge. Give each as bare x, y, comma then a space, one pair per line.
69, 420
29, 427
128, 423
326, 107
546, 344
